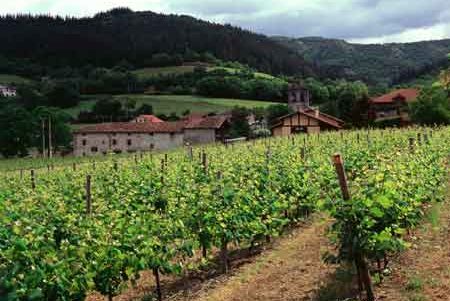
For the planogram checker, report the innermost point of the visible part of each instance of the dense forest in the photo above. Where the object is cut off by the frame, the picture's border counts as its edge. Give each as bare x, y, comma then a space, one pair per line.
33, 44
377, 64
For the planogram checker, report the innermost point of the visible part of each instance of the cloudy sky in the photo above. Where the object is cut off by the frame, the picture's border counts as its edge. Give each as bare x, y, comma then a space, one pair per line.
362, 21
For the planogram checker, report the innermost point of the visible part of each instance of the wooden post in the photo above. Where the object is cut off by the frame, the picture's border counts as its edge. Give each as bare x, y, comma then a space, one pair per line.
33, 180
360, 261
21, 174
224, 256
191, 153
88, 195
411, 145
116, 167
74, 166
302, 153
419, 138
48, 168
425, 138
158, 284
205, 162
340, 171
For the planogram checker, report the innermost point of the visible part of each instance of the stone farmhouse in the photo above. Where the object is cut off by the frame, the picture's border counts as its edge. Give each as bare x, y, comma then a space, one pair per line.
305, 119
7, 91
392, 107
135, 136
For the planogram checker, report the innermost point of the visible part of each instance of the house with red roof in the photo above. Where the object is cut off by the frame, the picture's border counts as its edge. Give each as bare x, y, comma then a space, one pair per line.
147, 118
140, 136
392, 107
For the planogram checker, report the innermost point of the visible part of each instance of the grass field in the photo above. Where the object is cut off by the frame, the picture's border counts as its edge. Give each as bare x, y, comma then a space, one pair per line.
166, 104
12, 79
149, 72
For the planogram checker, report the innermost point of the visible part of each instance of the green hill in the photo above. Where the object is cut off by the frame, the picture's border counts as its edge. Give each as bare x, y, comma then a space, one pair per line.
145, 73
110, 38
13, 79
376, 64
166, 104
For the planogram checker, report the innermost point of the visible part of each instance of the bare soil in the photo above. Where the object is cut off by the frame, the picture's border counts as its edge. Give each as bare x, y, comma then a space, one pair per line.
422, 273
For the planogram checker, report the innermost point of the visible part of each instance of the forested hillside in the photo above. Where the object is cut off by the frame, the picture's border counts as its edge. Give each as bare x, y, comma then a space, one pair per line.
376, 64
32, 44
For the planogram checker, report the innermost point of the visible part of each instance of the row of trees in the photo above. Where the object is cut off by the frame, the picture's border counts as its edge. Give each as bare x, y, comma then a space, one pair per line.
433, 104
22, 129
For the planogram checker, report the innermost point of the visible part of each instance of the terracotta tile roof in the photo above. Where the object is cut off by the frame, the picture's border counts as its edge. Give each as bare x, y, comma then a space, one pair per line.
129, 127
151, 118
407, 94
326, 116
210, 122
321, 117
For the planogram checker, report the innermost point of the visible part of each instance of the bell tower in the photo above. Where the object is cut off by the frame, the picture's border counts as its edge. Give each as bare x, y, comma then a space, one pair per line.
298, 97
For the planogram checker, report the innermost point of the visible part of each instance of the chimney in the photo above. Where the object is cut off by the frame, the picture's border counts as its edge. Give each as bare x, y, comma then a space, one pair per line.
316, 113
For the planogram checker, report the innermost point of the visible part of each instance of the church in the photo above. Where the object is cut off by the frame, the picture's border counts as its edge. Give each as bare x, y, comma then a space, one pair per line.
305, 118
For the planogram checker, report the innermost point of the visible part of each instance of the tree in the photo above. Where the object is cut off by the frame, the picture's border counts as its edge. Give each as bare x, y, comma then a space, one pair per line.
432, 107
274, 112
130, 105
61, 133
30, 97
239, 122
108, 108
144, 109
16, 130
64, 94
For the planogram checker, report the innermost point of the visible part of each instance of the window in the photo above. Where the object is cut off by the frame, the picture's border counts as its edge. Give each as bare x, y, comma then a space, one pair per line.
94, 149
172, 135
152, 146
114, 142
151, 134
84, 142
129, 142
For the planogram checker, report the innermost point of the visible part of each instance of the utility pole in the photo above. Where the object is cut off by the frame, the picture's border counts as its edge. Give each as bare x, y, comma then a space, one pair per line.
50, 155
43, 136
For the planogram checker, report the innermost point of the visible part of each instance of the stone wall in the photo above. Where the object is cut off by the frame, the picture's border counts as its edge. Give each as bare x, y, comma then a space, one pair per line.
102, 143
199, 136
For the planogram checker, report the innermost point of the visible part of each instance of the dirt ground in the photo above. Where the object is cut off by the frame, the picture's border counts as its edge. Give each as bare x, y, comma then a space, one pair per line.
422, 273
292, 268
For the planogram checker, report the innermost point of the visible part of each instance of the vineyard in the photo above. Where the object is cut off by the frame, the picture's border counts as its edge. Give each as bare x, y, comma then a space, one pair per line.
95, 226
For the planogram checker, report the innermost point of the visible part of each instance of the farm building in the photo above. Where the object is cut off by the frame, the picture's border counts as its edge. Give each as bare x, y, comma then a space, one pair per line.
206, 130
7, 91
305, 119
392, 107
122, 137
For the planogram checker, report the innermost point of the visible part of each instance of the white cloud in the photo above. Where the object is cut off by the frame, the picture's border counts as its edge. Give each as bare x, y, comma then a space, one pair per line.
440, 31
356, 20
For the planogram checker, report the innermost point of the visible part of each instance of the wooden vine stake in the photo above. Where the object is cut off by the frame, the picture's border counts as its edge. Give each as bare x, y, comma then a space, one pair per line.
303, 153
190, 153
158, 284
359, 258
33, 180
88, 195
411, 145
204, 162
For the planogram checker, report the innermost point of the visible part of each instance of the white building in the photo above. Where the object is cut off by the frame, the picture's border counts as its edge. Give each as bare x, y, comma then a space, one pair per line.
7, 91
